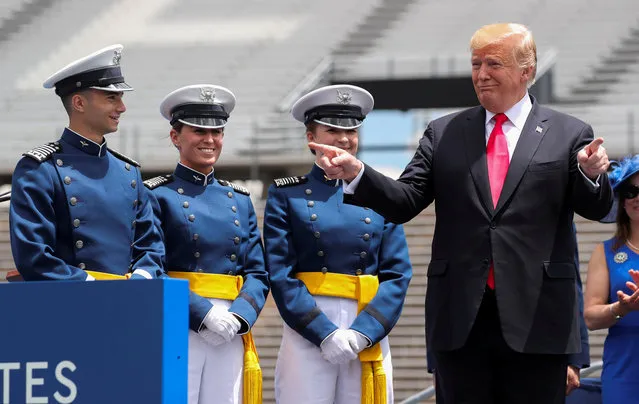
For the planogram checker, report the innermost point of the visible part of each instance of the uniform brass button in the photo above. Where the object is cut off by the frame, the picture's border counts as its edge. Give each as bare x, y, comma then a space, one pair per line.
79, 244
200, 270
320, 253
76, 222
317, 234
73, 201
229, 194
135, 203
367, 220
133, 224
82, 265
310, 204
197, 254
233, 257
236, 240
324, 270
358, 272
67, 180
59, 162
192, 218
367, 237
313, 217
185, 204
230, 273
196, 236
133, 183
308, 191
363, 254
127, 166
237, 222
234, 209
180, 191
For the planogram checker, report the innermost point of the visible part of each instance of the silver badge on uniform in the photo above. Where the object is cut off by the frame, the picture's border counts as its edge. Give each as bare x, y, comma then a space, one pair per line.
621, 257
117, 55
344, 97
207, 94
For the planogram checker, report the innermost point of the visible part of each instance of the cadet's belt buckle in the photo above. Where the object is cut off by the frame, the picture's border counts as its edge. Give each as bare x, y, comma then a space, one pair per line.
127, 276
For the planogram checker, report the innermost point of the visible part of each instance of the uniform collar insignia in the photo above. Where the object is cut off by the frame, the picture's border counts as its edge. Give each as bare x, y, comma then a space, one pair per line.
193, 176
83, 144
320, 175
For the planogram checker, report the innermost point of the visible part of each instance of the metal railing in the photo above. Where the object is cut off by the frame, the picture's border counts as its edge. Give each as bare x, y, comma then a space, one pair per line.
430, 391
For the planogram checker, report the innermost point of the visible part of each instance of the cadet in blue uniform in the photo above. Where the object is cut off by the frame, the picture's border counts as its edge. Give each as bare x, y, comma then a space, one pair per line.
339, 273
212, 239
78, 209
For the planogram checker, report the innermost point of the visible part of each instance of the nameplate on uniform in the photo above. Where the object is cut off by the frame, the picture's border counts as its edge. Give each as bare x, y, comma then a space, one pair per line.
44, 152
290, 181
155, 182
124, 158
237, 188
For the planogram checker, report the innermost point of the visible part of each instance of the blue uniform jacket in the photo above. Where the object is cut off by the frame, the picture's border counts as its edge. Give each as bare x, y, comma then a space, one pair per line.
210, 226
308, 228
76, 205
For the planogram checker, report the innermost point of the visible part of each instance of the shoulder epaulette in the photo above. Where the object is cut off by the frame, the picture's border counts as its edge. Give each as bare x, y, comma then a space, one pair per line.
290, 181
160, 180
124, 158
44, 152
237, 188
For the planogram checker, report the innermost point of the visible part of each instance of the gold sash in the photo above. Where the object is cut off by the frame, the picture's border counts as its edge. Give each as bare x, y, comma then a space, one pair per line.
227, 287
362, 289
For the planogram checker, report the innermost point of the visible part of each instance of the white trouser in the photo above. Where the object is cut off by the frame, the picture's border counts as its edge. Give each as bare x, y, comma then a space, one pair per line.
215, 372
303, 376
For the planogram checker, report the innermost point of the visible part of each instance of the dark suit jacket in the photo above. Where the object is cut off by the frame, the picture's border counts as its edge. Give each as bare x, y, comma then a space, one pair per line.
581, 359
528, 236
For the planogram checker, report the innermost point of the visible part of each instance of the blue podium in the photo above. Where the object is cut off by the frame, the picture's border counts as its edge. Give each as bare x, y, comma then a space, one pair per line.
103, 342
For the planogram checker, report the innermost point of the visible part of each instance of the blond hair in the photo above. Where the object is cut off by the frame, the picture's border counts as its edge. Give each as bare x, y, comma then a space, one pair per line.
524, 52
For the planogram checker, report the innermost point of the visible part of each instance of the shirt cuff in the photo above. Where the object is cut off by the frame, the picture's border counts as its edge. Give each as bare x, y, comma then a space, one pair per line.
594, 184
350, 187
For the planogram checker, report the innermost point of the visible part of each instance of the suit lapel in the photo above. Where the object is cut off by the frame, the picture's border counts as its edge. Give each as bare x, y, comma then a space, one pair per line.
475, 146
533, 132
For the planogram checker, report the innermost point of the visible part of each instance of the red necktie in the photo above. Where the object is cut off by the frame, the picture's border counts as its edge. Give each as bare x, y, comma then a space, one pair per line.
497, 158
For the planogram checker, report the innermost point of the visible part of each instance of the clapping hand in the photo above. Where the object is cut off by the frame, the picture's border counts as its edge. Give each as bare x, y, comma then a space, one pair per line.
628, 303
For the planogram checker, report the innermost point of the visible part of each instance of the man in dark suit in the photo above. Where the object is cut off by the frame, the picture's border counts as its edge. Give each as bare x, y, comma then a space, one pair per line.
501, 306
576, 361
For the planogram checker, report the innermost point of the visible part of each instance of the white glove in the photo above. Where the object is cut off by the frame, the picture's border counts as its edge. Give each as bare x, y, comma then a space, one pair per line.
357, 340
336, 348
211, 337
221, 322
